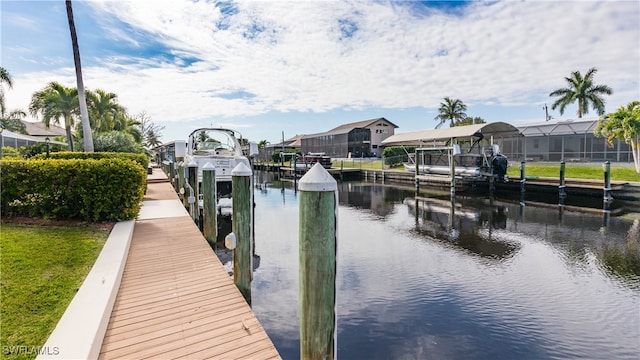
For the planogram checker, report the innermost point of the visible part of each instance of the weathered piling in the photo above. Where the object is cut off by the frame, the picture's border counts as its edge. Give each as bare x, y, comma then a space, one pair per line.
452, 169
317, 252
241, 227
561, 188
523, 178
209, 195
172, 174
607, 182
192, 194
181, 184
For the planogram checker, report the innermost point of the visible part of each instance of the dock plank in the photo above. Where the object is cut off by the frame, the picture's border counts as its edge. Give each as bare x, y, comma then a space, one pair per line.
176, 300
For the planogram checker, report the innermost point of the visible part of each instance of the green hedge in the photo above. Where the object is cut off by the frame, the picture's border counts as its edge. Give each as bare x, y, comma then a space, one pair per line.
142, 159
91, 190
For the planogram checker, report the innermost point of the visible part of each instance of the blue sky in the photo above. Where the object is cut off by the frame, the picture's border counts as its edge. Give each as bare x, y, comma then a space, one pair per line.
264, 67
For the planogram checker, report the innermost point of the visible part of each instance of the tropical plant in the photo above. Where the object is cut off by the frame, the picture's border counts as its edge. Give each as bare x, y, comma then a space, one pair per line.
5, 78
117, 141
56, 102
84, 115
262, 144
624, 124
470, 121
12, 121
451, 110
582, 90
105, 113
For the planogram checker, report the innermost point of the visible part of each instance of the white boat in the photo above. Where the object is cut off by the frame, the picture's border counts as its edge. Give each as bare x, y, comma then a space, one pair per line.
219, 147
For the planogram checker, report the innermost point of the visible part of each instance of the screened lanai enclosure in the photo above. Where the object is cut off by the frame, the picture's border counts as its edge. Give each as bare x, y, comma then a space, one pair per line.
569, 140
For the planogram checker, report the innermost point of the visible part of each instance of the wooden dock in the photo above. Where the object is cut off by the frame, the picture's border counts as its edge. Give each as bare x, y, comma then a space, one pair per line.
176, 300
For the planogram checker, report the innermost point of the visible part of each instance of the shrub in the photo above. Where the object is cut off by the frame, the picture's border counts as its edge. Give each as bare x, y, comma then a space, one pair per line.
8, 151
394, 155
141, 159
116, 141
91, 190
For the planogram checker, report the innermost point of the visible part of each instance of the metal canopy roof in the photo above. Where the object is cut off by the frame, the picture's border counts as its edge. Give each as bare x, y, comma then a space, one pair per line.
476, 130
565, 127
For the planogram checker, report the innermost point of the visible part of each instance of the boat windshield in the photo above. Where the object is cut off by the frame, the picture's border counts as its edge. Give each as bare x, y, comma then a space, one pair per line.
213, 142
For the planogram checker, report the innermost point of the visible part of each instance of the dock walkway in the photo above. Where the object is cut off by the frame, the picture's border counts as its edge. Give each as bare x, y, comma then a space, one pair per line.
176, 300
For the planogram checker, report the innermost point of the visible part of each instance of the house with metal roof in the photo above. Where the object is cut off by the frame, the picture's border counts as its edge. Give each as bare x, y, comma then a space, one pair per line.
358, 139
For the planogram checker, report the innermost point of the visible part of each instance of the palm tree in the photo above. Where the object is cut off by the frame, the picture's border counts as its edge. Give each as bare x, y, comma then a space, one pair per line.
86, 126
581, 89
104, 111
12, 121
55, 102
5, 78
451, 110
624, 124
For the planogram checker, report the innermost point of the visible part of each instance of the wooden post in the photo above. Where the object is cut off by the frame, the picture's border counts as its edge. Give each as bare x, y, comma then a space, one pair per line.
607, 182
209, 214
192, 196
317, 252
241, 227
172, 174
181, 184
523, 179
561, 187
452, 169
417, 171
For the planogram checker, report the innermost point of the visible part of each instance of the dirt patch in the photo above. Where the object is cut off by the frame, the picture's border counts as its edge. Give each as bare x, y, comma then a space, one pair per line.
24, 220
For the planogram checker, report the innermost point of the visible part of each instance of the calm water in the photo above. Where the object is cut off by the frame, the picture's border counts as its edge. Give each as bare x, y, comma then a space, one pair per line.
493, 281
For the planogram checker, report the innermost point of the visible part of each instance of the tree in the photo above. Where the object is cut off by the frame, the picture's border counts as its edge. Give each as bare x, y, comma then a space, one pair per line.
12, 121
624, 124
105, 114
5, 78
150, 131
581, 89
470, 121
451, 110
55, 102
86, 127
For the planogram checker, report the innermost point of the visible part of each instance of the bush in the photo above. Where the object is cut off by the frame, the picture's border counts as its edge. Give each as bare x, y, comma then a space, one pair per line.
139, 158
91, 190
395, 155
8, 151
116, 141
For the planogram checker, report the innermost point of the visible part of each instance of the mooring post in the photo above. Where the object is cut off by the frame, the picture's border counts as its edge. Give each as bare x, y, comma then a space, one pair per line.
561, 187
607, 182
181, 184
241, 227
452, 169
172, 174
192, 195
523, 178
317, 252
209, 194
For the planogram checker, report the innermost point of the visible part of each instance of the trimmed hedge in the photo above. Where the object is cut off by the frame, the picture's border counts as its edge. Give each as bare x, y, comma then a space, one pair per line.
91, 190
142, 159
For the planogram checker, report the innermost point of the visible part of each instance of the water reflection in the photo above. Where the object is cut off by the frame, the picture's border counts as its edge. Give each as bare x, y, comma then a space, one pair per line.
478, 278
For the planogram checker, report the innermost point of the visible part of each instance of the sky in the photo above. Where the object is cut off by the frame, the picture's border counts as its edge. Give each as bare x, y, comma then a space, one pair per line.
265, 68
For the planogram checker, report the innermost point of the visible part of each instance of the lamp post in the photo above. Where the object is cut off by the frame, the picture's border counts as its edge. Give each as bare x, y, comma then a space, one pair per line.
46, 141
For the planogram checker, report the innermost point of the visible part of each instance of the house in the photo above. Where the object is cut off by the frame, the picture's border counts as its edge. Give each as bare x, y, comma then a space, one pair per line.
36, 133
356, 140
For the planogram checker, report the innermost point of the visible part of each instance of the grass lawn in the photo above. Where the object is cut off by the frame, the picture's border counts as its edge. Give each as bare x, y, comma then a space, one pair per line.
41, 269
576, 171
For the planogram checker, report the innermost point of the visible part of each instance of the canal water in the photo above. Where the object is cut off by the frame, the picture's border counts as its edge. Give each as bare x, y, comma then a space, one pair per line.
420, 278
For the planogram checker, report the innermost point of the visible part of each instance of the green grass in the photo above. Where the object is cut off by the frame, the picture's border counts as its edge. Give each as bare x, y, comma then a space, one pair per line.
618, 173
41, 267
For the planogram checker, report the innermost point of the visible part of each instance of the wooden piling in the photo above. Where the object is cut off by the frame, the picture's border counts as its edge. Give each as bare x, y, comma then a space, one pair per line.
192, 194
241, 227
317, 252
452, 169
561, 192
523, 178
172, 174
607, 182
181, 184
209, 213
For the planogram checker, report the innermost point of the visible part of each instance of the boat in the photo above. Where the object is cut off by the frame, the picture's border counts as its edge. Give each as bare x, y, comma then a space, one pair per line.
221, 148
309, 159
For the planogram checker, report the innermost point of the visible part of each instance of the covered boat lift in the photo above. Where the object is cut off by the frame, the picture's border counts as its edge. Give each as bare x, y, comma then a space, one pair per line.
457, 152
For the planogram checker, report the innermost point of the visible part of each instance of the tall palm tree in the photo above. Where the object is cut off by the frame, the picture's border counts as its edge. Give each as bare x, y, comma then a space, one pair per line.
56, 102
583, 90
451, 110
86, 126
12, 121
624, 124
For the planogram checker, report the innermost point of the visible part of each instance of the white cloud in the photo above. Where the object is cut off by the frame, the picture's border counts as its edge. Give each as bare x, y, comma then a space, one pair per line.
293, 56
